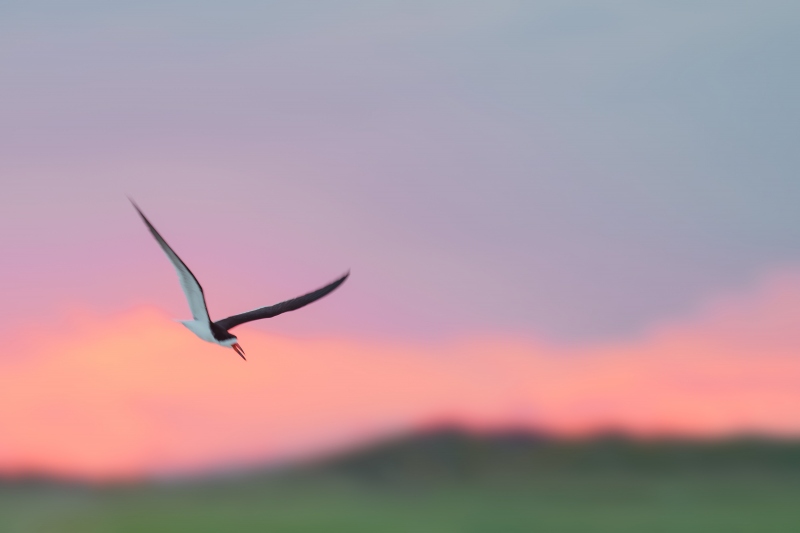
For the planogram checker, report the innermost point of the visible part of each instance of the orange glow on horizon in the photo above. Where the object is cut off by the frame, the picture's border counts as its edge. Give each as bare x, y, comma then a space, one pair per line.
138, 394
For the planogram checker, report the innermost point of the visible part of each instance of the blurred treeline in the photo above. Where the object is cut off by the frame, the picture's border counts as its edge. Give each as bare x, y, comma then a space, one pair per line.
449, 480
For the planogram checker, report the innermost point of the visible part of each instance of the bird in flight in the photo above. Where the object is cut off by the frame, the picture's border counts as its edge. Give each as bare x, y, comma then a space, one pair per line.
219, 332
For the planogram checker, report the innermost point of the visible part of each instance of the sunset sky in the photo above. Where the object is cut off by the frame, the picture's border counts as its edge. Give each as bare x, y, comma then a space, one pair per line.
559, 214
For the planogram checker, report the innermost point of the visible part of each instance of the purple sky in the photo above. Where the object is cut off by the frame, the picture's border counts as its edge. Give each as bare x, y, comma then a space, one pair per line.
575, 170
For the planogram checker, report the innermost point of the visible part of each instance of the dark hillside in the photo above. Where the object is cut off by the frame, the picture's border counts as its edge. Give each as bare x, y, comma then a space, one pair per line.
451, 480
456, 454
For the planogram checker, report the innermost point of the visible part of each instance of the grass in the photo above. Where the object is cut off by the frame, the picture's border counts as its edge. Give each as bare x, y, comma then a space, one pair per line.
585, 489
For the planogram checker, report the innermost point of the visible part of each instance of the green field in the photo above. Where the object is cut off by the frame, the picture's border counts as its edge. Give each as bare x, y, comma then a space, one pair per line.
451, 484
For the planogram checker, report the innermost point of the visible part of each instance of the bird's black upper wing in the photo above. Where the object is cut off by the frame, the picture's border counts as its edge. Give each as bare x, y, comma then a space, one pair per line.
191, 287
277, 309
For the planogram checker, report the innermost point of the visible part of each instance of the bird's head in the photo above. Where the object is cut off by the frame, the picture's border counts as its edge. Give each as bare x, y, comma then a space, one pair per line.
233, 342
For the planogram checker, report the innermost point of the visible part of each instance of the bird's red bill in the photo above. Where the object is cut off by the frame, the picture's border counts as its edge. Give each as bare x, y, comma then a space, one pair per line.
238, 349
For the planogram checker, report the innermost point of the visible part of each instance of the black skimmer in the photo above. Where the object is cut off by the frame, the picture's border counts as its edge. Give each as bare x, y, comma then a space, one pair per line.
218, 332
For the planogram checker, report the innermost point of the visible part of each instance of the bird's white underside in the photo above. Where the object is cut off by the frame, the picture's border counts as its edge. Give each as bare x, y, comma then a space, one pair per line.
202, 330
192, 291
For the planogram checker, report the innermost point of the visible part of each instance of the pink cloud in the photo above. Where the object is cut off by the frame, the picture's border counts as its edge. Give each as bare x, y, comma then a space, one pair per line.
137, 394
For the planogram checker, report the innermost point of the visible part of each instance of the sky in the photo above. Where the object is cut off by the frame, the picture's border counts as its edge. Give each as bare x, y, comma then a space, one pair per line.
544, 179
132, 395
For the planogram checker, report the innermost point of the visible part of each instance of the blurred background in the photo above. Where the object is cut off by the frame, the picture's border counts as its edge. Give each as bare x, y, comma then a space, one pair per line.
575, 254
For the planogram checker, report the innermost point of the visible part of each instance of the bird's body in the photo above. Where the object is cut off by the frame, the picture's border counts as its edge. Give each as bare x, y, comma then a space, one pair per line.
218, 332
204, 331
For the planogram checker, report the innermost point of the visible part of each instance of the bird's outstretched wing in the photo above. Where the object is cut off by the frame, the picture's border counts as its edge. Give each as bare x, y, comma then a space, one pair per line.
191, 287
277, 309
